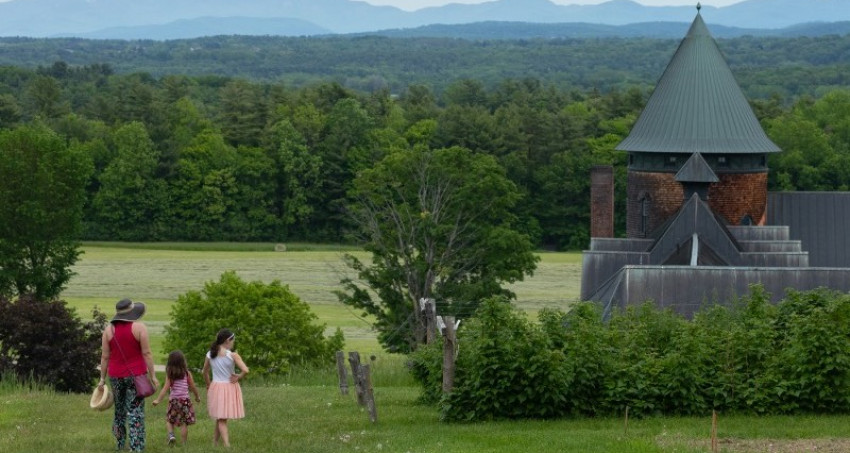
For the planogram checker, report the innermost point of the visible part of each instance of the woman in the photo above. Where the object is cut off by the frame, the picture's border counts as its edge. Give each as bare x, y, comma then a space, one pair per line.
126, 353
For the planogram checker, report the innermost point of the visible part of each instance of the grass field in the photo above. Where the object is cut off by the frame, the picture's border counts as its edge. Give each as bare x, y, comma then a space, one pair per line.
304, 411
107, 273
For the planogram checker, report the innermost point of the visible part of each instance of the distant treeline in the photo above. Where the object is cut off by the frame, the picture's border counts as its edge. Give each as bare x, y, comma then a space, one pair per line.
786, 66
214, 158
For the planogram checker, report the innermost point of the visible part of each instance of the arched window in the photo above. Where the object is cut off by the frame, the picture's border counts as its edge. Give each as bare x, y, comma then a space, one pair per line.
746, 220
644, 215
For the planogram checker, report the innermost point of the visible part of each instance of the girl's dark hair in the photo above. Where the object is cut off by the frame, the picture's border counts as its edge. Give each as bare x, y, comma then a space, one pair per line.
176, 367
223, 335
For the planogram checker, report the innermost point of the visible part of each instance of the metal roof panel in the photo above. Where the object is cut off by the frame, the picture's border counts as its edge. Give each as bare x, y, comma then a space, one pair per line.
697, 106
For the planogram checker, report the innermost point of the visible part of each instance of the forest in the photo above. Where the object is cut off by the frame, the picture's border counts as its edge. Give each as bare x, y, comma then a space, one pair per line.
207, 147
787, 66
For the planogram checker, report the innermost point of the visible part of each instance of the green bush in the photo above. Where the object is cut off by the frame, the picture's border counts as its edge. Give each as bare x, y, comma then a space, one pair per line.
48, 343
580, 335
812, 364
426, 367
275, 330
505, 369
748, 357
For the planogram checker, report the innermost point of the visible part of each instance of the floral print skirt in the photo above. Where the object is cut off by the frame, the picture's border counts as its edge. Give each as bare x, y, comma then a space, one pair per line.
180, 412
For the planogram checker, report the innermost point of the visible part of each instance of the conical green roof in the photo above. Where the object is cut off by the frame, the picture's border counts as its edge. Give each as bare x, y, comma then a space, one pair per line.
698, 106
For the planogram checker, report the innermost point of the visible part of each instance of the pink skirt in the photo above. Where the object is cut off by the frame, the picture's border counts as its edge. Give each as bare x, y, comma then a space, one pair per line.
224, 400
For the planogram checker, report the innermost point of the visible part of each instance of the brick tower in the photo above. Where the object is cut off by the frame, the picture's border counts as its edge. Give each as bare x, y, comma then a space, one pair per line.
697, 199
697, 134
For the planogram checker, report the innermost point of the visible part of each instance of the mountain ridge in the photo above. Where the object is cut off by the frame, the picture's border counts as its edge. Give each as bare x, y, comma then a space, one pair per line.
107, 19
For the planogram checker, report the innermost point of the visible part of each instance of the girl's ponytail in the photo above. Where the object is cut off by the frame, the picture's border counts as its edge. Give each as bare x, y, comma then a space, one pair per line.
222, 336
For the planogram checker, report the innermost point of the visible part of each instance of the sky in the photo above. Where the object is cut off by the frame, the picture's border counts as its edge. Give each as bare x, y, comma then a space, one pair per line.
411, 5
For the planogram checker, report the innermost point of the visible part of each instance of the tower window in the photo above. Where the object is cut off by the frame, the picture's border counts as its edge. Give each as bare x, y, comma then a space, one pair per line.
722, 161
644, 216
671, 161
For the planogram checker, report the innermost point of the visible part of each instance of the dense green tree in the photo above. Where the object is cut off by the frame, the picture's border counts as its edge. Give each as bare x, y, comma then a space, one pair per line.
42, 193
419, 103
243, 113
275, 330
438, 224
10, 111
253, 216
44, 98
805, 148
346, 148
298, 180
132, 203
202, 190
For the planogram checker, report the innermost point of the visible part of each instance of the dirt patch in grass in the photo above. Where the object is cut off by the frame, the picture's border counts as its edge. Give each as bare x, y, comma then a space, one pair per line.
839, 445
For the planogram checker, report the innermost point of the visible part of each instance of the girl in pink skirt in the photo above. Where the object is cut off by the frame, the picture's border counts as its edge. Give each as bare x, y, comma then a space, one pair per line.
224, 396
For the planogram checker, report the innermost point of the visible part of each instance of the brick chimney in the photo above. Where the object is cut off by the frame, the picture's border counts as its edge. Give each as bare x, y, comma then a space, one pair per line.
602, 201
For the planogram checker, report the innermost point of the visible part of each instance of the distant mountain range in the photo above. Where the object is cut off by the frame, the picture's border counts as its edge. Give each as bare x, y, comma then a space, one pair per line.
175, 19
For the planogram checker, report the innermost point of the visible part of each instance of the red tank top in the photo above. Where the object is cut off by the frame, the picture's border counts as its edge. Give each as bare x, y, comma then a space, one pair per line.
132, 362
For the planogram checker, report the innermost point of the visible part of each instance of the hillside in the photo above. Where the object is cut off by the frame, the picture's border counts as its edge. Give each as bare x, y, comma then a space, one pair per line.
809, 64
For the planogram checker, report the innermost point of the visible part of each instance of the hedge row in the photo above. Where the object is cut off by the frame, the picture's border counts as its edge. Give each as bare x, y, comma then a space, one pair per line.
749, 357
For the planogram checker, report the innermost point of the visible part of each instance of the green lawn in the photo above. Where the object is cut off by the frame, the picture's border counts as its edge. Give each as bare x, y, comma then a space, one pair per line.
107, 272
304, 412
315, 417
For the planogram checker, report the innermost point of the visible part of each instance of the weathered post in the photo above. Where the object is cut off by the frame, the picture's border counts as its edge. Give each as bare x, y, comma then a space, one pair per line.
368, 393
354, 360
626, 423
449, 347
714, 431
430, 315
343, 376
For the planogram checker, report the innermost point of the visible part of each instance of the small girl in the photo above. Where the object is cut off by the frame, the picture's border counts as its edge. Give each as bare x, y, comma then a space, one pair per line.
180, 411
224, 395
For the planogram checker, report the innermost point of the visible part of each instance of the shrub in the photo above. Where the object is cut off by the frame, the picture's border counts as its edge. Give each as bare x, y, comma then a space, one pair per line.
581, 335
505, 369
47, 342
749, 357
812, 365
426, 367
275, 330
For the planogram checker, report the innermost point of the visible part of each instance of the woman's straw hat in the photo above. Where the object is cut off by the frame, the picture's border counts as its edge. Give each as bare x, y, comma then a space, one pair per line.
127, 310
101, 399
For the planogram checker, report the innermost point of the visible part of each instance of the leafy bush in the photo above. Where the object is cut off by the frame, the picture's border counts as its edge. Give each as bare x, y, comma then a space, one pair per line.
812, 364
275, 330
751, 357
579, 334
426, 366
505, 369
47, 342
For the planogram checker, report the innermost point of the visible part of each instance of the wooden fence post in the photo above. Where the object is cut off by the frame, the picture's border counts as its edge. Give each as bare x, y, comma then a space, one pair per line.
430, 315
354, 360
626, 423
343, 376
714, 431
368, 393
448, 327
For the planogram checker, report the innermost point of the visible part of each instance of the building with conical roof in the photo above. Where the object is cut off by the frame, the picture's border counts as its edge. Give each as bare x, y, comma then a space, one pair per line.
697, 109
697, 223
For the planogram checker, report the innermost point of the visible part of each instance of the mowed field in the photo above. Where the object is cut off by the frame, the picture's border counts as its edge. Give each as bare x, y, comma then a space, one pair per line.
110, 272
